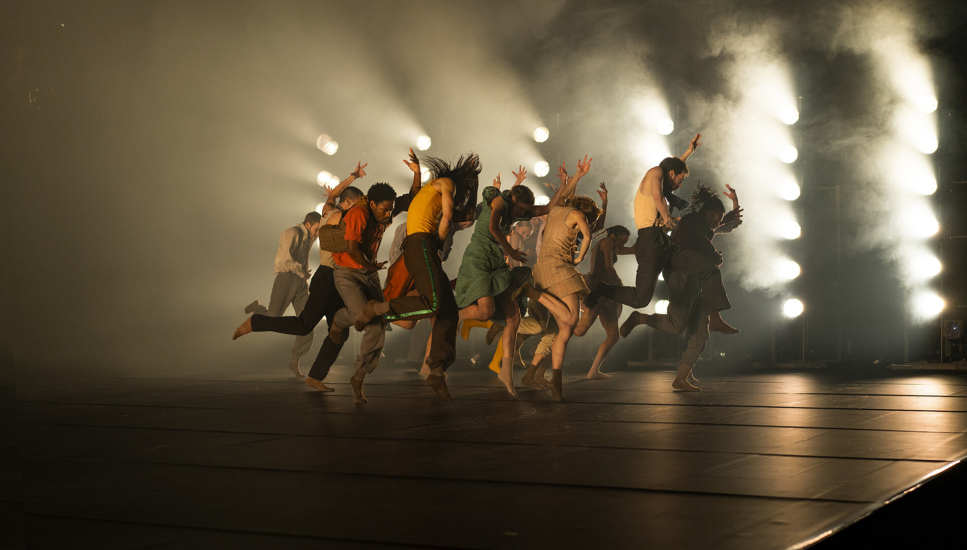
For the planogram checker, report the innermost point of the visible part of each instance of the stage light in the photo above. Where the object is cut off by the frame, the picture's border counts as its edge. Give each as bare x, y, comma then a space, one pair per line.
541, 169
926, 186
924, 226
927, 104
661, 307
789, 116
319, 207
788, 154
541, 134
788, 270
425, 175
788, 190
541, 200
327, 145
928, 144
323, 178
666, 126
790, 230
792, 308
928, 304
423, 142
923, 266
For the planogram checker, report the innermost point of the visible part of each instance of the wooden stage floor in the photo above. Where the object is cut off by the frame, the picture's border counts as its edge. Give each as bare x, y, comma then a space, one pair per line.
212, 460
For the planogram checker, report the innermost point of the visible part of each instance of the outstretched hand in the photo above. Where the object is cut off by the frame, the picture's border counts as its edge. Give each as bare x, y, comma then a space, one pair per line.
497, 181
517, 255
562, 174
520, 174
731, 193
603, 193
359, 172
583, 166
413, 162
694, 144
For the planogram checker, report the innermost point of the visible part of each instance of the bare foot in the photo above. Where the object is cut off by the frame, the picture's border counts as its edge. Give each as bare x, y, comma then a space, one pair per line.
317, 384
681, 384
294, 366
716, 324
439, 385
243, 329
598, 375
358, 390
630, 323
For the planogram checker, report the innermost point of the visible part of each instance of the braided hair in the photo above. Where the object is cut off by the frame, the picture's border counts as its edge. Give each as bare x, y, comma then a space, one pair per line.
704, 199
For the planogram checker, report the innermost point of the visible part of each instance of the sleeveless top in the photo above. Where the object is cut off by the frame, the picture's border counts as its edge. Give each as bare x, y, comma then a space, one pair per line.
646, 211
424, 210
555, 261
325, 257
598, 272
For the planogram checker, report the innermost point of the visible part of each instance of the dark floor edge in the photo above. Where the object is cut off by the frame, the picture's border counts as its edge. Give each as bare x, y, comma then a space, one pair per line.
871, 509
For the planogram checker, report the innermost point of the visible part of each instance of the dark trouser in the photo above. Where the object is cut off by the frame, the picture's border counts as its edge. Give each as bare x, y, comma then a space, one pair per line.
422, 259
686, 310
654, 251
324, 301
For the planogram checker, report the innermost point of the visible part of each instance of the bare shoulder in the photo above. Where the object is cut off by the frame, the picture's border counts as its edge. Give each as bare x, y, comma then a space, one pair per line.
443, 185
334, 218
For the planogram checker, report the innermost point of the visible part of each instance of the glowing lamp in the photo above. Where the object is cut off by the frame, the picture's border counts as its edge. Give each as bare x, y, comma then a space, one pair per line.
788, 190
788, 270
788, 154
666, 127
323, 178
927, 104
789, 117
541, 134
423, 142
661, 307
790, 231
425, 176
541, 200
792, 308
541, 169
928, 304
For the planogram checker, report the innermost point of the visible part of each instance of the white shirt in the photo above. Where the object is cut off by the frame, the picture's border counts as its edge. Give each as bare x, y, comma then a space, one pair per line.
293, 253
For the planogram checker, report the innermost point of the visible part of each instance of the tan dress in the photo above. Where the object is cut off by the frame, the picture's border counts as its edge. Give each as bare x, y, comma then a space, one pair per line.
555, 271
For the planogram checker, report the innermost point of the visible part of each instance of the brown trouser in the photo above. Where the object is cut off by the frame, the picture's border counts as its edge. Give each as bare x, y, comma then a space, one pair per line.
422, 259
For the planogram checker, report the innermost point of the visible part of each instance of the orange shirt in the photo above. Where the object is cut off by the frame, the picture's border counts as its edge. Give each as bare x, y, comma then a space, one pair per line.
362, 227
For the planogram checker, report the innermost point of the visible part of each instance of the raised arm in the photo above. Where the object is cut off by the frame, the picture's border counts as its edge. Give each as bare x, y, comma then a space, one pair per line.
413, 163
733, 219
564, 190
599, 223
358, 173
446, 196
692, 145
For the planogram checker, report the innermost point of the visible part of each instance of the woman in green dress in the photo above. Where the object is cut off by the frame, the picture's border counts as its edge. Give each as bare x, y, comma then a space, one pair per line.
485, 282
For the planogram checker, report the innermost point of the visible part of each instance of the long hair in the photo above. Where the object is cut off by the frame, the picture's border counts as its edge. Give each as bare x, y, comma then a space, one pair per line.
617, 231
705, 199
464, 173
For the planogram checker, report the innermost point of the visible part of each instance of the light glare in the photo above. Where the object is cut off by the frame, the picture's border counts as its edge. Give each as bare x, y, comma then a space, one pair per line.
541, 200
541, 134
661, 308
789, 154
423, 142
666, 126
323, 178
541, 169
788, 270
927, 104
425, 176
928, 304
792, 308
320, 206
790, 230
789, 117
789, 190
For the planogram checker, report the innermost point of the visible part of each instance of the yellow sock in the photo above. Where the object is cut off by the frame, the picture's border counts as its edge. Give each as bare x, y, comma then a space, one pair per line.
469, 324
498, 355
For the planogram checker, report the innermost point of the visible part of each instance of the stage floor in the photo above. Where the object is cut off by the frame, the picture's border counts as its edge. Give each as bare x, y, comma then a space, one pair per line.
757, 460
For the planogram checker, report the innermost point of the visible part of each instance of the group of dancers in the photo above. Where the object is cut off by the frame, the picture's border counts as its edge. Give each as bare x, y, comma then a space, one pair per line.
499, 285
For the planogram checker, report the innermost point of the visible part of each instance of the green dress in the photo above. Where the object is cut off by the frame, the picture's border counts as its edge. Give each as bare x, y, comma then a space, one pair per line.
483, 271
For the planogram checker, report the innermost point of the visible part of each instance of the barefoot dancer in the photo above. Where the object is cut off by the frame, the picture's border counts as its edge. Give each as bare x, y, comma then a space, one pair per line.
603, 256
654, 250
687, 308
324, 300
446, 199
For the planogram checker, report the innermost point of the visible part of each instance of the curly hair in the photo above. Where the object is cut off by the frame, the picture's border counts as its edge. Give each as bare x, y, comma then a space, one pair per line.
522, 195
379, 192
587, 206
705, 199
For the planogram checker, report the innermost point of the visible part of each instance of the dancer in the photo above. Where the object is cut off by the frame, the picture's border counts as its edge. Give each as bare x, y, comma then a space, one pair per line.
555, 272
603, 256
438, 204
486, 283
323, 301
357, 277
654, 250
290, 287
687, 306
518, 236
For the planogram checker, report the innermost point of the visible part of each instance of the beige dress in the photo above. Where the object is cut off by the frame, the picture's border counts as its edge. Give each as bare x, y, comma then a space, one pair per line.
555, 271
